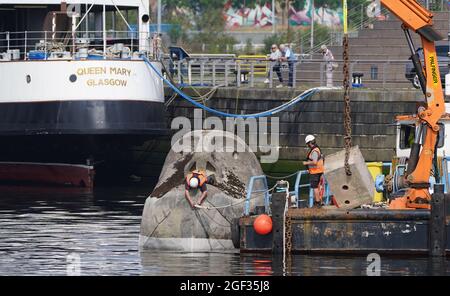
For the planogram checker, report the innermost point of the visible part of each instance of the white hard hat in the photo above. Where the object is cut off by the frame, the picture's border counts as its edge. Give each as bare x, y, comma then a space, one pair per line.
193, 183
323, 48
309, 138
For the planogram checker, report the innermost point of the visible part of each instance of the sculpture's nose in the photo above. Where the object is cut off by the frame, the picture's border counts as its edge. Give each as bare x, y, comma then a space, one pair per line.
200, 162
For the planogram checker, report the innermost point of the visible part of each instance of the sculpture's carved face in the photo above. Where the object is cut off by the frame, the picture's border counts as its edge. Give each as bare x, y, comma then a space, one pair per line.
218, 153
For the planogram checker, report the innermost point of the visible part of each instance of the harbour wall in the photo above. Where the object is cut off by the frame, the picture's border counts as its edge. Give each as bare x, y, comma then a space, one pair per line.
373, 113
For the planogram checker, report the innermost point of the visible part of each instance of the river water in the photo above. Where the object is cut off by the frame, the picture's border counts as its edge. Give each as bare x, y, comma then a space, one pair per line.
48, 231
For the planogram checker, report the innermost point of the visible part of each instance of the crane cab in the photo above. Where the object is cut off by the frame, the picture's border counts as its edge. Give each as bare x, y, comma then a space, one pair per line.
406, 131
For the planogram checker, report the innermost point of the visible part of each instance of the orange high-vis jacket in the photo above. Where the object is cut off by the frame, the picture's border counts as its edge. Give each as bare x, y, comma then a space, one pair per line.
201, 175
319, 168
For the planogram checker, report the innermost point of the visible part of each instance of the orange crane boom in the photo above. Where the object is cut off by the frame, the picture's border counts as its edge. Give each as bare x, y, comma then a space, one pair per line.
420, 20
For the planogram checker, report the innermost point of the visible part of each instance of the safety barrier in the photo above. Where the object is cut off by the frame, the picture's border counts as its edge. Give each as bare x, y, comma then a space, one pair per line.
251, 191
240, 72
297, 192
255, 64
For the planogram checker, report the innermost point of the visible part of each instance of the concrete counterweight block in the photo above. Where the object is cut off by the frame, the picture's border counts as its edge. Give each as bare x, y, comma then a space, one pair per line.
350, 191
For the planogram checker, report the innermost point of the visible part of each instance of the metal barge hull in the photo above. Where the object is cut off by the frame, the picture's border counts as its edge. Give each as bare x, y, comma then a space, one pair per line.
362, 231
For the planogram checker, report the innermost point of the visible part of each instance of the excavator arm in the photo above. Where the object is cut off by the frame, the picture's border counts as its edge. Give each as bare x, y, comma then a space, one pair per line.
418, 19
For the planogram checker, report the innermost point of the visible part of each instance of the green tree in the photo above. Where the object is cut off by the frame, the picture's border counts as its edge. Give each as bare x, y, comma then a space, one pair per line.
274, 39
204, 21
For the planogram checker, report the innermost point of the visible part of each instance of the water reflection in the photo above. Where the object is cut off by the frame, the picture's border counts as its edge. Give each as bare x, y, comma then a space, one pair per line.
40, 226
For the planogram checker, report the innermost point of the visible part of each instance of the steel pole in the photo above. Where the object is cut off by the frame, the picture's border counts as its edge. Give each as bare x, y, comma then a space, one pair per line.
273, 17
159, 16
104, 31
312, 25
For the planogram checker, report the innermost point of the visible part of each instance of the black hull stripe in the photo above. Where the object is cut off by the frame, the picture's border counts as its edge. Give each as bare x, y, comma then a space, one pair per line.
83, 117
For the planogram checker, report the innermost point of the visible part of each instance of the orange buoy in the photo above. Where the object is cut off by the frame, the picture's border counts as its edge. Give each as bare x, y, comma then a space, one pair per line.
263, 224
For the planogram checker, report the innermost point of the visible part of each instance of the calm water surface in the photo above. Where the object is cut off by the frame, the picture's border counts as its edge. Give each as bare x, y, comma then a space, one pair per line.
41, 227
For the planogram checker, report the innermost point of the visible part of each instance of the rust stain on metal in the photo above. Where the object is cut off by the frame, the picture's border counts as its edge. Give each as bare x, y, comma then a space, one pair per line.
307, 233
328, 232
350, 231
307, 212
358, 214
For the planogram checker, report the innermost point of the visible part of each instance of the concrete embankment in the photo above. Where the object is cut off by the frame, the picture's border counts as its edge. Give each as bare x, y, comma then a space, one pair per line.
373, 113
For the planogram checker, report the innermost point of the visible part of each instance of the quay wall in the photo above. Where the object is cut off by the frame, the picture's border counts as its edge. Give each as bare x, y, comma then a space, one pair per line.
372, 111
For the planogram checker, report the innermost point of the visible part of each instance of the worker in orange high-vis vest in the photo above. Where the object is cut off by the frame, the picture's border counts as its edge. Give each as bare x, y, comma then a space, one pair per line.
197, 179
315, 163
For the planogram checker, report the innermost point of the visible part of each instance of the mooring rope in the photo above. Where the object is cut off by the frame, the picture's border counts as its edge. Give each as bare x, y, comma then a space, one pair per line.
281, 178
234, 204
306, 94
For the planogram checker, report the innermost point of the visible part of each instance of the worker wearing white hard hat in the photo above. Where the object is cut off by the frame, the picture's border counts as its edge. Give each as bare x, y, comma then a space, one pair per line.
315, 163
197, 179
309, 138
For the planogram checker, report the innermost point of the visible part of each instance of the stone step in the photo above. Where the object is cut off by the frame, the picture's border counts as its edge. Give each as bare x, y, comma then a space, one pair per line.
387, 50
381, 34
390, 33
364, 41
395, 24
441, 15
437, 16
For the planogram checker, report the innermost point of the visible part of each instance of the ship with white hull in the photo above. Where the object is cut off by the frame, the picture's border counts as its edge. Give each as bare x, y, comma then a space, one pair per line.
77, 91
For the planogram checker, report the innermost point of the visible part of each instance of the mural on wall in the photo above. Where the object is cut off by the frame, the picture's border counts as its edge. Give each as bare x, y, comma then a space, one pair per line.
322, 15
260, 15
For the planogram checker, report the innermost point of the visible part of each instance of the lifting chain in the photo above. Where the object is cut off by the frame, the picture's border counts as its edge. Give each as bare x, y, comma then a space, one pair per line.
347, 110
288, 242
288, 235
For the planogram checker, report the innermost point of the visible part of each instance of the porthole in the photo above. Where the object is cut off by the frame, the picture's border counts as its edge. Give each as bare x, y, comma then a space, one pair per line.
73, 78
145, 18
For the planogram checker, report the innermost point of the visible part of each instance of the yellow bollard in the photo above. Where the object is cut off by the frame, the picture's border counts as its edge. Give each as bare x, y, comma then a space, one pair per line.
375, 169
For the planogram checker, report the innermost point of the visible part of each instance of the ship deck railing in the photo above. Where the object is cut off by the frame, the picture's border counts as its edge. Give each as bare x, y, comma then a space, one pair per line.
24, 42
